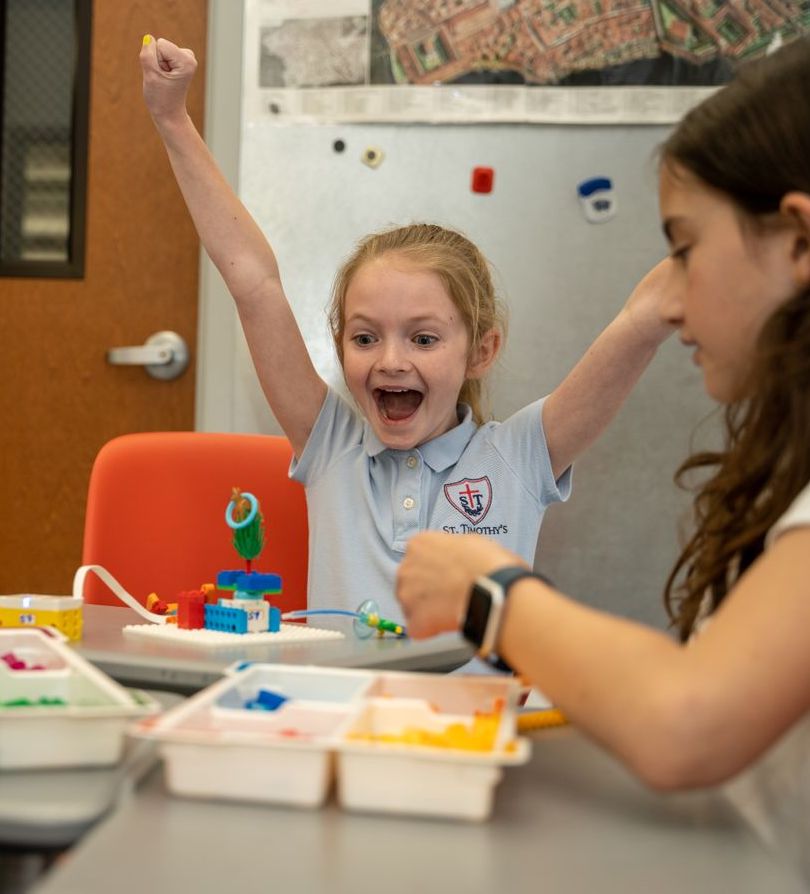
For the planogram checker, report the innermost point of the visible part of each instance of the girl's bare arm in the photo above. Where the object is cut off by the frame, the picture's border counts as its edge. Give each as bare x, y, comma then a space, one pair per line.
235, 244
679, 716
585, 402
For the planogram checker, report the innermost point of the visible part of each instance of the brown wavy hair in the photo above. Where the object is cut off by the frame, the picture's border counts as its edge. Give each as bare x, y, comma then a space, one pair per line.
459, 264
751, 141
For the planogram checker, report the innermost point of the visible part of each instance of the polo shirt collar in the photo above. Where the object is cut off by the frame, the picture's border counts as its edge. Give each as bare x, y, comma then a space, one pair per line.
441, 452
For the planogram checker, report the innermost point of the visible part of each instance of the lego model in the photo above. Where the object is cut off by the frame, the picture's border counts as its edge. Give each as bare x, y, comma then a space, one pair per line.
250, 609
240, 603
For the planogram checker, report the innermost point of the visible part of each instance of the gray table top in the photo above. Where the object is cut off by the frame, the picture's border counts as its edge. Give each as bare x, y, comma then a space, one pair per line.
572, 820
53, 808
149, 663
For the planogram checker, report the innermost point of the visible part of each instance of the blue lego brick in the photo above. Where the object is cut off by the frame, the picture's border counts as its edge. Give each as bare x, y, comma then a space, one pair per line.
258, 582
275, 619
253, 582
266, 700
226, 619
226, 580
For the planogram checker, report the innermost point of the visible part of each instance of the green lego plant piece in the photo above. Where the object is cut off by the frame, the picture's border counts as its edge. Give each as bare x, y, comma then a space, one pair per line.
248, 541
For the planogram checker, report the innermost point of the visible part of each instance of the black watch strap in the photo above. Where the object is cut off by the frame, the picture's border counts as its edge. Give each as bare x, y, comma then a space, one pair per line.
511, 575
504, 578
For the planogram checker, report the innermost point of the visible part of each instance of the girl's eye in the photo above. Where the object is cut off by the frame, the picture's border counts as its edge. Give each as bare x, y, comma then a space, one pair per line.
680, 254
425, 341
363, 340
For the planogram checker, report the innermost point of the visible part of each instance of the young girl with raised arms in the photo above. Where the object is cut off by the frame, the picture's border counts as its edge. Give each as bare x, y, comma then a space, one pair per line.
735, 207
417, 326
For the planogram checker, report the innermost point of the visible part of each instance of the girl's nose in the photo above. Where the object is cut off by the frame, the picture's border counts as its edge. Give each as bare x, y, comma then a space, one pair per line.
392, 358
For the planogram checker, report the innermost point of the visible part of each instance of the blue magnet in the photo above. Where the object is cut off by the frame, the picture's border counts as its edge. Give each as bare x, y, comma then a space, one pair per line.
598, 199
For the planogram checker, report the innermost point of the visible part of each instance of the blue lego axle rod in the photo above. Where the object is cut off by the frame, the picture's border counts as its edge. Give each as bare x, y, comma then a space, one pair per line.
366, 619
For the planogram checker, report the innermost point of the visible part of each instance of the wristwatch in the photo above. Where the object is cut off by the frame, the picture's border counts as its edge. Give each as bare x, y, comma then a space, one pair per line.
485, 610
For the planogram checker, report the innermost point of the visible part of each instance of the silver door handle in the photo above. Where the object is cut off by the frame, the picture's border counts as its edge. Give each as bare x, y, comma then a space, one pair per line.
164, 355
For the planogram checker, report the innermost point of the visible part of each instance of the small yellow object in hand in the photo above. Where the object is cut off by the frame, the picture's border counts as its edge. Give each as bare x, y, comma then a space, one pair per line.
544, 719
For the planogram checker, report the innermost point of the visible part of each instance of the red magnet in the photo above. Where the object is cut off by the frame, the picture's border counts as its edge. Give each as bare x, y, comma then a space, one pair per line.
482, 179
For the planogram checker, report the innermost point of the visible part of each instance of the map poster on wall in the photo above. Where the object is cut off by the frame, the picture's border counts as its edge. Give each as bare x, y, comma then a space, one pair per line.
566, 61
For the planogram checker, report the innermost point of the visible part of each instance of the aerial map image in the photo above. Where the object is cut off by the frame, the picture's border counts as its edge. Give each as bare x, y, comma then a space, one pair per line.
575, 42
318, 52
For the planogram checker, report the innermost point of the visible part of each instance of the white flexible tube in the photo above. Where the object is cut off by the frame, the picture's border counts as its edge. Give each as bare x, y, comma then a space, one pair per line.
106, 578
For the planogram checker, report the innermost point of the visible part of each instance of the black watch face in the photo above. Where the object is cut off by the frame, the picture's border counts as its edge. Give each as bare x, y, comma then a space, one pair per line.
475, 624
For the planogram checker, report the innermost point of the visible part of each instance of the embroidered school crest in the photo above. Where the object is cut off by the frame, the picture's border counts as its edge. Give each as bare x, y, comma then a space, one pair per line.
471, 496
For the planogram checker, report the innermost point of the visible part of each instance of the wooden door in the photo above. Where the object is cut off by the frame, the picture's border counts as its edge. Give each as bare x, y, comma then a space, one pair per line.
59, 399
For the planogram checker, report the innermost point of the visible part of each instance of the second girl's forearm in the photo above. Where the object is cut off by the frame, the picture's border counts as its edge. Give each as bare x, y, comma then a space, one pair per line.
583, 405
586, 401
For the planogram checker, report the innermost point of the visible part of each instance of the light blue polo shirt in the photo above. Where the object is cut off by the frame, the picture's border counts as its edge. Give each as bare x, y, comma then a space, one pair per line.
365, 501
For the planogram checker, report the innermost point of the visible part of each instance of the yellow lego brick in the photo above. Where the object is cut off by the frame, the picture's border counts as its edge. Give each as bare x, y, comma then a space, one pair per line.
62, 612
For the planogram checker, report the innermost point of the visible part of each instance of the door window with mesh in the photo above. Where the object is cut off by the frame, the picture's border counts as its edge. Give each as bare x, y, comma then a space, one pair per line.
44, 94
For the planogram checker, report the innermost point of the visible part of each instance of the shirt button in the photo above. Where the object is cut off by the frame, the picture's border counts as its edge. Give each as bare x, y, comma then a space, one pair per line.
410, 462
409, 502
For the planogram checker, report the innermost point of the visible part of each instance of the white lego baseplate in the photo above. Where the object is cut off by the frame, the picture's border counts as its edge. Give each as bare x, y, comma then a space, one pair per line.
289, 633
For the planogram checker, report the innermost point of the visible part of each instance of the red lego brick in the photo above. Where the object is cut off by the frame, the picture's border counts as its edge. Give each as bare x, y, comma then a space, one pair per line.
191, 609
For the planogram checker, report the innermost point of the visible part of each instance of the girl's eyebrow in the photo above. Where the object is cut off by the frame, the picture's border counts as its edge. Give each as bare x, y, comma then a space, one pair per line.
359, 318
427, 318
422, 320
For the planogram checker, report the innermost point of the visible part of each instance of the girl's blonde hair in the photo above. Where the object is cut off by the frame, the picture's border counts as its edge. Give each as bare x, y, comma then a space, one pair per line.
463, 270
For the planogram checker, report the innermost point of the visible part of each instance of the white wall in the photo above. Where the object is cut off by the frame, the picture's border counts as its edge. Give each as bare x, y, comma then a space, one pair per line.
218, 331
562, 277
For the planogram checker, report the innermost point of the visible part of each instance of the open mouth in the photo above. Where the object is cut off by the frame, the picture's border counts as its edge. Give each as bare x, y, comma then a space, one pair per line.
397, 404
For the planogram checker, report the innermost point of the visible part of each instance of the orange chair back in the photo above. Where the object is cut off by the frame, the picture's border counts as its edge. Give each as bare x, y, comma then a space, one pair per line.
156, 513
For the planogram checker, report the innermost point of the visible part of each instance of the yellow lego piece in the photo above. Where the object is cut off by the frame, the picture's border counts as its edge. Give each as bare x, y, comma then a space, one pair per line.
24, 610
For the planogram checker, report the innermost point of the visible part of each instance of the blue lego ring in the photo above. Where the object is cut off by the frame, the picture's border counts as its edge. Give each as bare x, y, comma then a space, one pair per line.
254, 508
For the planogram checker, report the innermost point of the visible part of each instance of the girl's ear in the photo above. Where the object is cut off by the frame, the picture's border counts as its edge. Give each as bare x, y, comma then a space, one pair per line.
796, 207
484, 355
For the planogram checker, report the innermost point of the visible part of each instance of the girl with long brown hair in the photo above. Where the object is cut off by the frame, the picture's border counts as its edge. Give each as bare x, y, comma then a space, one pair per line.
735, 207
